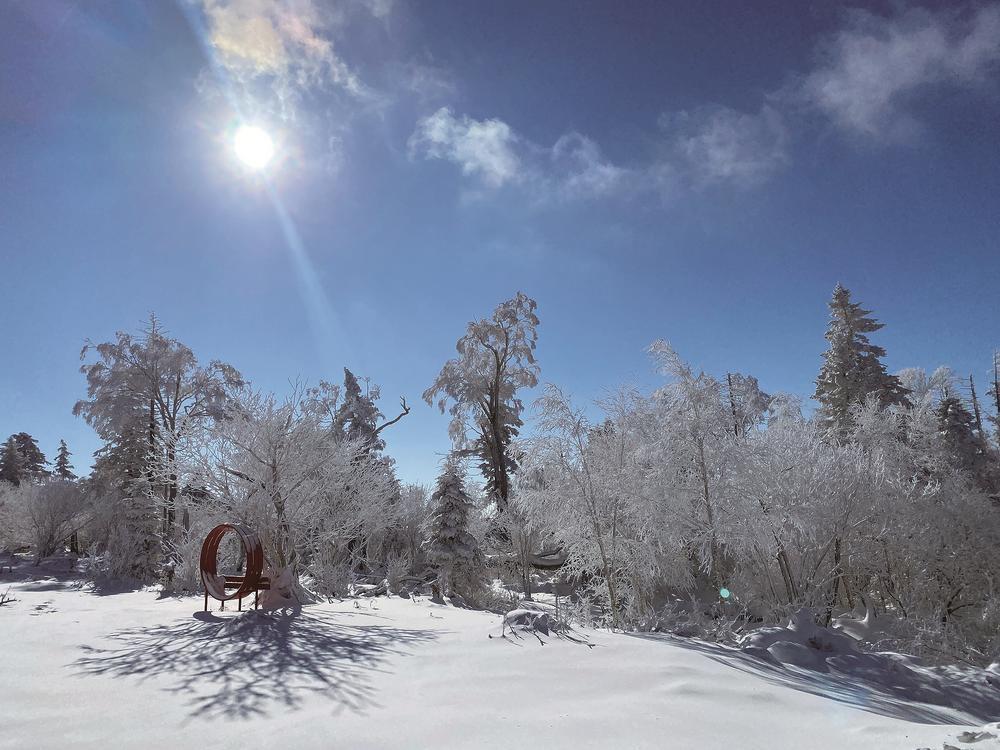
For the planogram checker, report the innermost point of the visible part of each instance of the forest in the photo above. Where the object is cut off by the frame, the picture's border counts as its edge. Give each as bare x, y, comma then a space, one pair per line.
705, 507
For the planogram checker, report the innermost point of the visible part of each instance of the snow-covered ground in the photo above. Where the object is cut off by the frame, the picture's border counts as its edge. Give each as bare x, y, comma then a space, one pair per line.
85, 669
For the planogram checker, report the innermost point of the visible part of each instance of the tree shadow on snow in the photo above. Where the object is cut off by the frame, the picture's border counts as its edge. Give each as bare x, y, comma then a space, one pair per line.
63, 572
245, 665
897, 692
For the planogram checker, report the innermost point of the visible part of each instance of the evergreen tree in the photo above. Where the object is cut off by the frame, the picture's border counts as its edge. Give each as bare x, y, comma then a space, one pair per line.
11, 463
451, 548
64, 469
957, 430
963, 447
34, 459
852, 368
29, 465
357, 417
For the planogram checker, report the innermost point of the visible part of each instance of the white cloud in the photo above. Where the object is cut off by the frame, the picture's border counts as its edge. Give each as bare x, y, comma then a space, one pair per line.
714, 145
485, 148
870, 69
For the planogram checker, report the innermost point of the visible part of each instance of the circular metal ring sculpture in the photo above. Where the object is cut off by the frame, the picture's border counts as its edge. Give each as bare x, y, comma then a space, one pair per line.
244, 584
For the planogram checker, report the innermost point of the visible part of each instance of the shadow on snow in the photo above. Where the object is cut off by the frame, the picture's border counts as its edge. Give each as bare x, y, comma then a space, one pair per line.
935, 699
245, 665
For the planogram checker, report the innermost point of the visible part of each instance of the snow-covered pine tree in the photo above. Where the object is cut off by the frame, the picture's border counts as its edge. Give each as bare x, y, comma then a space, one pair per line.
957, 430
11, 462
64, 469
451, 549
127, 519
963, 447
357, 417
852, 368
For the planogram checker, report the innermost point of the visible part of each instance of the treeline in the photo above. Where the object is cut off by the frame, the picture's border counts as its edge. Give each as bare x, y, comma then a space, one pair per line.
709, 488
706, 501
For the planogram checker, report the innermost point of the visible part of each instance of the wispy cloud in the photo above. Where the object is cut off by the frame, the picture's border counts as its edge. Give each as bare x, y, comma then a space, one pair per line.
491, 152
718, 145
709, 146
872, 69
484, 148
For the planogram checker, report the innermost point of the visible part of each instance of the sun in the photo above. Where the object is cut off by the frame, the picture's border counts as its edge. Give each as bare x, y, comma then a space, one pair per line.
253, 146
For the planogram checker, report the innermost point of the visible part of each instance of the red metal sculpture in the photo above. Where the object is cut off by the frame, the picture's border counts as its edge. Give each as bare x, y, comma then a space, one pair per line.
252, 579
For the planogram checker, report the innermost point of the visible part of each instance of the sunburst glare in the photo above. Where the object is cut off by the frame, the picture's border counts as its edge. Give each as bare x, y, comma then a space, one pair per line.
253, 146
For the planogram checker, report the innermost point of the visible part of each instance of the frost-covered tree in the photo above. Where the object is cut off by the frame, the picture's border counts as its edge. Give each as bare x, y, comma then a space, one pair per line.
748, 404
603, 499
158, 377
450, 548
310, 493
495, 361
852, 367
695, 427
63, 467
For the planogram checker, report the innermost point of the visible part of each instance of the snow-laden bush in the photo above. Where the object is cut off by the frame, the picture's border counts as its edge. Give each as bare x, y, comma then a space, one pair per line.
396, 568
43, 516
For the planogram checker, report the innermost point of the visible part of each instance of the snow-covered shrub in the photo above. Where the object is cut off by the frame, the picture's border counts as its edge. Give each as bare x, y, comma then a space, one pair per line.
331, 575
44, 516
396, 568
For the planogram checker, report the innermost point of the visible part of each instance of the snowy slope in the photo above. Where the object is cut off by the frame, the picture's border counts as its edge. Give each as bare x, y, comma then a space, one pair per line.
129, 670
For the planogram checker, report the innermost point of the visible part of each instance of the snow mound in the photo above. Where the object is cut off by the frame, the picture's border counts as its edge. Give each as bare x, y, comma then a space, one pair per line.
804, 645
801, 643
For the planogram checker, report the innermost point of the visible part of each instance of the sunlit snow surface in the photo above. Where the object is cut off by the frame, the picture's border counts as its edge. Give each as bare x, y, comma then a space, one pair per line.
125, 669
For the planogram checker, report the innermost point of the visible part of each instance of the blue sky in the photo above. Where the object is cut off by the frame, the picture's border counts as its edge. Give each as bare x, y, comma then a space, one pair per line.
698, 172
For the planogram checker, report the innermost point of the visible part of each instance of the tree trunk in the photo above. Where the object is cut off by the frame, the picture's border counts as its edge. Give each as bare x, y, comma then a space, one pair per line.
786, 575
709, 515
838, 574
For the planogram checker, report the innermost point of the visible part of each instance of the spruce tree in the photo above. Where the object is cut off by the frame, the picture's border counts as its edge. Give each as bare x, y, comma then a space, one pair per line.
357, 417
11, 462
64, 469
852, 368
963, 447
451, 548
